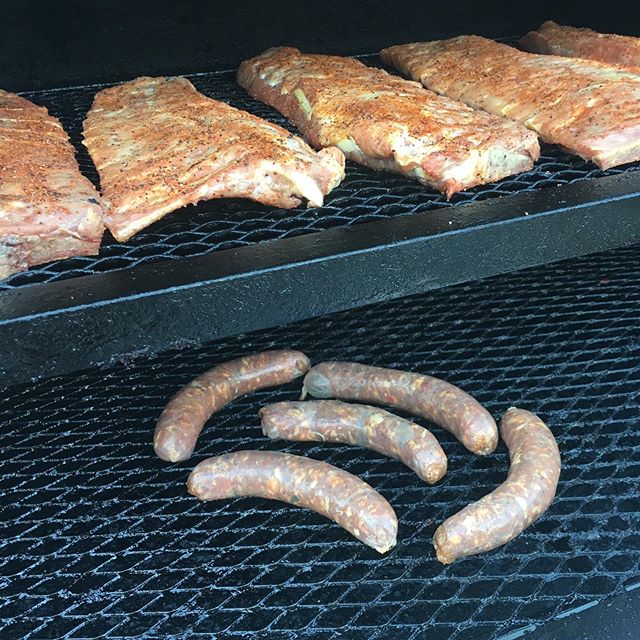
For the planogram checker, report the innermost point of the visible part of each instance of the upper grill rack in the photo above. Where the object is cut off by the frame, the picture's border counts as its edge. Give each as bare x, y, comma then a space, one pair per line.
210, 226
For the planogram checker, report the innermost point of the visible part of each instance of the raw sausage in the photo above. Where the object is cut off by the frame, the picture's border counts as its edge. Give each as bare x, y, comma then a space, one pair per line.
184, 416
526, 494
370, 427
528, 491
431, 398
321, 487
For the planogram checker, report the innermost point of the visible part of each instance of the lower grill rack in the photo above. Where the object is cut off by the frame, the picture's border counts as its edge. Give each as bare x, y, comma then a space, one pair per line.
100, 538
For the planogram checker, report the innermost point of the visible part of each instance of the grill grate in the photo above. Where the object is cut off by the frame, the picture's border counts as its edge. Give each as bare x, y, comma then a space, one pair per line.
364, 195
100, 539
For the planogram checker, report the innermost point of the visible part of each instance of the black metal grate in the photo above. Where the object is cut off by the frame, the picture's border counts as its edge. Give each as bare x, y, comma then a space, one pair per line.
364, 195
100, 539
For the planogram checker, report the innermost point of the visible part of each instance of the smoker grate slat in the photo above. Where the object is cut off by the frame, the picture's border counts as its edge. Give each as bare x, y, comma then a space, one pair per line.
215, 225
100, 537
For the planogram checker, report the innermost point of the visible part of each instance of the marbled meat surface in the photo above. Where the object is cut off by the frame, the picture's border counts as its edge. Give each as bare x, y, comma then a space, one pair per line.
48, 209
589, 108
388, 123
575, 42
159, 144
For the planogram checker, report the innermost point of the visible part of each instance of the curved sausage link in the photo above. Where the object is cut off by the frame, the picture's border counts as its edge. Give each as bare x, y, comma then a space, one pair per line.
321, 487
526, 494
186, 413
431, 398
358, 424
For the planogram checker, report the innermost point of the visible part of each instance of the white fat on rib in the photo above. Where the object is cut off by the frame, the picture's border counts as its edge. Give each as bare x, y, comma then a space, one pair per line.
305, 105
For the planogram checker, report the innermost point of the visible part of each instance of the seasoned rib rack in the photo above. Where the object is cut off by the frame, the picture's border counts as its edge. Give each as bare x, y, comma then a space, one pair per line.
387, 123
587, 107
560, 40
159, 144
48, 210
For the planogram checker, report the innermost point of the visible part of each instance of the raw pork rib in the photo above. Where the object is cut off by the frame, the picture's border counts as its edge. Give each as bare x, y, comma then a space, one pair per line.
159, 144
48, 209
386, 122
589, 108
583, 43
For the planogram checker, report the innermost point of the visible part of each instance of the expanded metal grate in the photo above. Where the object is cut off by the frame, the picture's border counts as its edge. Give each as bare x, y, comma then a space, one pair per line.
364, 195
100, 538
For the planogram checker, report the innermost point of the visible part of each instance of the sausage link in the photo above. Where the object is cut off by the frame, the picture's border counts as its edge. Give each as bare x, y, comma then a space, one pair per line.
431, 398
186, 413
525, 495
358, 424
321, 487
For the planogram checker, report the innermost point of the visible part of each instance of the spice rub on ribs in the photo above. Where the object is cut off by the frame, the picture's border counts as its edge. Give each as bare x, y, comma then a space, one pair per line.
159, 144
588, 108
575, 42
388, 123
48, 209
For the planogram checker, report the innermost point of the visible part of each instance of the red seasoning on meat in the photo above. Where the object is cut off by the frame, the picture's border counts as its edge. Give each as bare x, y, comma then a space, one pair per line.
48, 209
357, 424
321, 487
435, 400
187, 412
552, 38
388, 123
159, 144
587, 107
514, 505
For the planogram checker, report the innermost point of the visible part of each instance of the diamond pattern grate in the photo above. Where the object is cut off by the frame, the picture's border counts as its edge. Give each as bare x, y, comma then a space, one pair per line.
364, 196
100, 539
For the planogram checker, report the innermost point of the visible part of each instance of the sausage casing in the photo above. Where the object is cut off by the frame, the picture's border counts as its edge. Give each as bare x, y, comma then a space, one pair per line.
186, 413
321, 487
358, 424
525, 495
421, 395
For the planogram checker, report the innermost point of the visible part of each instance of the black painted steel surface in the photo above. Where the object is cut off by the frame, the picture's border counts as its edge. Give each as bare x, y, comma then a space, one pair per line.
71, 42
100, 539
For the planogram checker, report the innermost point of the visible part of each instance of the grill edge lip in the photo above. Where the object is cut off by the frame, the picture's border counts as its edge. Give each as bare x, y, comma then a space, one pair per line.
612, 618
232, 292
